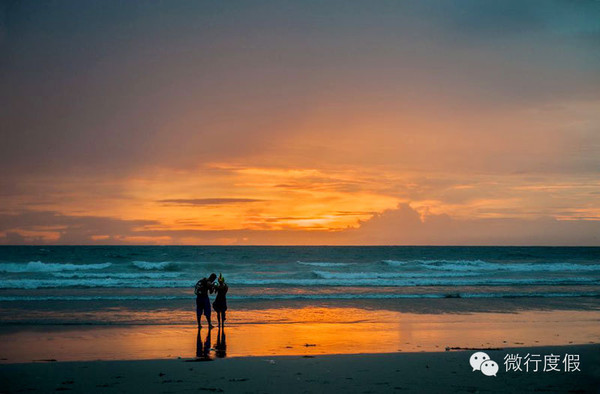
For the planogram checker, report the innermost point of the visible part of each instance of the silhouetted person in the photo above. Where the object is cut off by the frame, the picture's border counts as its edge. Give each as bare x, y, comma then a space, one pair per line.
203, 287
221, 346
220, 303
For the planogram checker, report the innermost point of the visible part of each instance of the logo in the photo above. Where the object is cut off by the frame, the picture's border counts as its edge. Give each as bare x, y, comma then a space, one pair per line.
480, 361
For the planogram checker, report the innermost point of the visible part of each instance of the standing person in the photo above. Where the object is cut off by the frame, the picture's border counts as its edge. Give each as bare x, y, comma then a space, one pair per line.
203, 287
220, 303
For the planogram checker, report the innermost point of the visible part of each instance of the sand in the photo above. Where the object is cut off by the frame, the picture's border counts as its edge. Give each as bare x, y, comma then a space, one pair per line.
434, 372
330, 330
321, 351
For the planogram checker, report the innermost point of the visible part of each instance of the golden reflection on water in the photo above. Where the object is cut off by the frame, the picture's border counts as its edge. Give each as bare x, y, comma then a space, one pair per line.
304, 331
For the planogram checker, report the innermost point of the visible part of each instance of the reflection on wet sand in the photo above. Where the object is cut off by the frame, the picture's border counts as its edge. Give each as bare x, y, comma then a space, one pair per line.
221, 345
204, 349
314, 331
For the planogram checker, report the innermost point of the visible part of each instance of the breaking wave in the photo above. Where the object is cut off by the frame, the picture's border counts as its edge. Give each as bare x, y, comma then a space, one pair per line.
113, 282
108, 275
390, 275
146, 265
395, 263
38, 266
470, 265
342, 296
323, 264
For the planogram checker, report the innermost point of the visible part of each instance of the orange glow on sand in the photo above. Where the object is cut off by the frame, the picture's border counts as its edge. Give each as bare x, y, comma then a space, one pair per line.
313, 331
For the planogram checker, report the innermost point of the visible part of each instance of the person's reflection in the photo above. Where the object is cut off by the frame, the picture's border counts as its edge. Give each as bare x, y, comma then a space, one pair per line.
221, 346
203, 348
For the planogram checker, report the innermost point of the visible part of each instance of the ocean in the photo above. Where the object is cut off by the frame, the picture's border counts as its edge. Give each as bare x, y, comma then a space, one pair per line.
154, 284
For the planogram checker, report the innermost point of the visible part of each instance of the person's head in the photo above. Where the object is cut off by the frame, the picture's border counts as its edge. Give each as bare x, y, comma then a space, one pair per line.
212, 277
221, 279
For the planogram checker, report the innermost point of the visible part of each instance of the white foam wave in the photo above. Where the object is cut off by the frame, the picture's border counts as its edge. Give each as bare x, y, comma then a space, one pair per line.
416, 282
108, 275
395, 263
390, 275
91, 283
38, 266
322, 264
235, 281
147, 265
400, 263
478, 265
461, 262
342, 296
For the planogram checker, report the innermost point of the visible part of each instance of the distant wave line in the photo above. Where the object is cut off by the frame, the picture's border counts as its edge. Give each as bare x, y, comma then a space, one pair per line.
38, 266
303, 296
131, 283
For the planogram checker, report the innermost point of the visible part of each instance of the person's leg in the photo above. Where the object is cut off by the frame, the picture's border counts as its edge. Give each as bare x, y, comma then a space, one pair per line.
199, 314
223, 317
207, 309
219, 319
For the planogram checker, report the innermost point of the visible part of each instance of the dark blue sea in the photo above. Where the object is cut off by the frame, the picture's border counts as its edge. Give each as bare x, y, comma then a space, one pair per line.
127, 284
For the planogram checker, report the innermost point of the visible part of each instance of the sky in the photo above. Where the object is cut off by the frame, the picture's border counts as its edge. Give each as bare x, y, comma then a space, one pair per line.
300, 122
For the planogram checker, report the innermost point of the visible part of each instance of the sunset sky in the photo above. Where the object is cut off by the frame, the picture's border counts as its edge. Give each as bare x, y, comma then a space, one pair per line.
300, 122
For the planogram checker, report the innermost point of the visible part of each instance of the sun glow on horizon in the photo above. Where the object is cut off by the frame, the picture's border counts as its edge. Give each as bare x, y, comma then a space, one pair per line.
427, 127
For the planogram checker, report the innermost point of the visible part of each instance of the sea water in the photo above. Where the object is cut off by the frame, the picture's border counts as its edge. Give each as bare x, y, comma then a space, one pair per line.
154, 284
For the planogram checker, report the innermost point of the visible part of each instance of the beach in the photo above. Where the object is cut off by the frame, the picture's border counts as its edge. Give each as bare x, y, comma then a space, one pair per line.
304, 331
320, 351
366, 373
307, 319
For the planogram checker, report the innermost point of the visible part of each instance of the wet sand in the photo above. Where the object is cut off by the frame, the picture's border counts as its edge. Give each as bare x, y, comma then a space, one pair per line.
315, 331
368, 373
323, 349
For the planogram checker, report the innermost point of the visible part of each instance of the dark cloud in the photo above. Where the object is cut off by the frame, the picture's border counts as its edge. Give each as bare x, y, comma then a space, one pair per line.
70, 229
323, 183
404, 226
354, 213
401, 226
207, 201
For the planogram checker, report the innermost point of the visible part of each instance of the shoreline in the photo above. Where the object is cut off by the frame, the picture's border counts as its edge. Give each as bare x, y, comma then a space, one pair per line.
383, 372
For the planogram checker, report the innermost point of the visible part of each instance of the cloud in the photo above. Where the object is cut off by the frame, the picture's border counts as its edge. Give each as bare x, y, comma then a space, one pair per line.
33, 227
405, 226
401, 226
351, 106
208, 201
